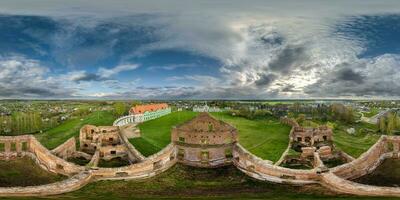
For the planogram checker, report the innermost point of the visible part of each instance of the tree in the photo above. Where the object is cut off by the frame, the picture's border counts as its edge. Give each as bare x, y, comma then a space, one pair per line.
300, 119
382, 125
120, 108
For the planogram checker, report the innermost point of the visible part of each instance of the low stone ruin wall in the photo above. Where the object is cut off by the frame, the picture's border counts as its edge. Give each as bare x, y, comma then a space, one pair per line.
66, 150
133, 154
335, 183
364, 164
265, 170
15, 145
73, 183
149, 167
52, 162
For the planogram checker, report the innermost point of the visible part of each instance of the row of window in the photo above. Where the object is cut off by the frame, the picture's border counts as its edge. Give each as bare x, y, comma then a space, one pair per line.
13, 147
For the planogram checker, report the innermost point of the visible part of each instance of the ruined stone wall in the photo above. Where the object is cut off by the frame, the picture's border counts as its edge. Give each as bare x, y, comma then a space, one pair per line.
216, 156
50, 161
364, 164
289, 121
149, 167
133, 154
265, 170
73, 183
66, 150
335, 183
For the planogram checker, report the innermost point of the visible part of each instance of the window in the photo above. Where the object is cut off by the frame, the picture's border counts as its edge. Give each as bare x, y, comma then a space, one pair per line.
203, 141
325, 137
110, 139
60, 166
307, 139
228, 153
85, 145
24, 146
205, 155
13, 146
157, 165
181, 139
298, 139
210, 127
113, 152
181, 153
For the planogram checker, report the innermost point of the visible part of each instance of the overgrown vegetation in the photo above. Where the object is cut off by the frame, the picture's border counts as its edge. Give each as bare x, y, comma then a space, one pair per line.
389, 123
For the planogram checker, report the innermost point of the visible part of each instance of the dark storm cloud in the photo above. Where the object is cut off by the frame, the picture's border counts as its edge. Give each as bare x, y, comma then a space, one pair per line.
288, 58
87, 77
376, 78
265, 80
348, 74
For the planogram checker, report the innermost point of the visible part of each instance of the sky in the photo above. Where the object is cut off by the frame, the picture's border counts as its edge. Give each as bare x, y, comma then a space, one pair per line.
208, 49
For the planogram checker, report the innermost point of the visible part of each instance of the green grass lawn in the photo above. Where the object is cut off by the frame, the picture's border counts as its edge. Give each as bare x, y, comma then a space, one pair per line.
358, 143
196, 183
353, 144
156, 134
58, 135
266, 138
25, 172
372, 112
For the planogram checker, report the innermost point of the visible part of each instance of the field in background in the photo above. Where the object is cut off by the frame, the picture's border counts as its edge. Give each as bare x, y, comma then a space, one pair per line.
156, 133
266, 138
59, 134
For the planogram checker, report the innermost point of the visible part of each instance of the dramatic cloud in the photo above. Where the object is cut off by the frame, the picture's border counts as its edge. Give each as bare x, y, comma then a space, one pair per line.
20, 77
235, 50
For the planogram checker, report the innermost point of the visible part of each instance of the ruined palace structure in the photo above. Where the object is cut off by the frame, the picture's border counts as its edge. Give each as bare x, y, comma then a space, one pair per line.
311, 136
142, 113
204, 141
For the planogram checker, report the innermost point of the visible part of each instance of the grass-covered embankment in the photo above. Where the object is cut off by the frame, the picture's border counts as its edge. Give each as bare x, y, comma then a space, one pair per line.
156, 133
266, 138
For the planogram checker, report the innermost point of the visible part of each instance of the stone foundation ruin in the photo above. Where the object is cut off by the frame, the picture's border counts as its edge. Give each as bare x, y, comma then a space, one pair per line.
100, 141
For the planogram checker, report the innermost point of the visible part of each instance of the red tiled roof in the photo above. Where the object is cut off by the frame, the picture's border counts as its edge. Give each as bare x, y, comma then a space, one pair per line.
139, 109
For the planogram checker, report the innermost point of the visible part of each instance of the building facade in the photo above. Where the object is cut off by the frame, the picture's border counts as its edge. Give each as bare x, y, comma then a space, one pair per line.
105, 139
142, 113
311, 136
206, 108
204, 141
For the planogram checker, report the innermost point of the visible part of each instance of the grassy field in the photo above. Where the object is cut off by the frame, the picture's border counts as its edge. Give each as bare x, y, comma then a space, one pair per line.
24, 172
354, 144
56, 136
265, 138
372, 112
196, 183
156, 134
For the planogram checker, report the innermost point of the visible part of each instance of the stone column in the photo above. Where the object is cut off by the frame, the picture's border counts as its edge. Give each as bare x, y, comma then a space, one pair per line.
18, 146
7, 146
395, 146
